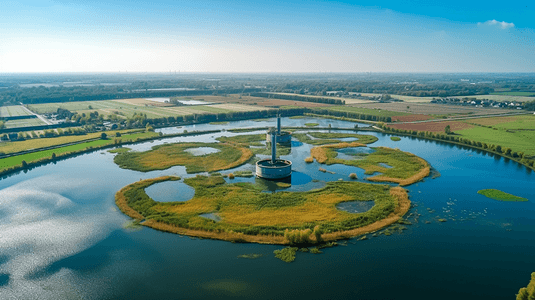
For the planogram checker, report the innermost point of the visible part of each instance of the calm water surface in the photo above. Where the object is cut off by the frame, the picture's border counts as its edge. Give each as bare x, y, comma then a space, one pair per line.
62, 237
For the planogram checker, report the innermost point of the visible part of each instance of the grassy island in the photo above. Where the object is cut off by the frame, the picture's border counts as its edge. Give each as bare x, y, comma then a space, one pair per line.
247, 214
501, 196
162, 157
405, 168
323, 138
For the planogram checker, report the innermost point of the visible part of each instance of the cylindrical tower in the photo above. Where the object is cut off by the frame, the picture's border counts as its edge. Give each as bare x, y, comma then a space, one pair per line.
274, 169
273, 147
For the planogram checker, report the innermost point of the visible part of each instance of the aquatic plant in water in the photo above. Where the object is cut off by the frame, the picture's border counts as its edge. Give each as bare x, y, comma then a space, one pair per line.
500, 196
286, 254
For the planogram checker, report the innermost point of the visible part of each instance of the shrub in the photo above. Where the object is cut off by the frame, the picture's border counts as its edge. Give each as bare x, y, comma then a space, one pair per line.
353, 176
230, 176
529, 291
297, 236
317, 233
286, 254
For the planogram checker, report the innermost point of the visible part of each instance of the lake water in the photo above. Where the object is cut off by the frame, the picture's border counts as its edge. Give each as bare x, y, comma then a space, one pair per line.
62, 237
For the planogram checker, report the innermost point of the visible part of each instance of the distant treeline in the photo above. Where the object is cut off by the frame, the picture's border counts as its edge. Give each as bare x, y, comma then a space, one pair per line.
43, 94
300, 98
406, 89
230, 116
351, 115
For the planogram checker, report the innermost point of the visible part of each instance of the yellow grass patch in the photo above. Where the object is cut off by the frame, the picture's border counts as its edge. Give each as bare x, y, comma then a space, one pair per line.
293, 216
321, 153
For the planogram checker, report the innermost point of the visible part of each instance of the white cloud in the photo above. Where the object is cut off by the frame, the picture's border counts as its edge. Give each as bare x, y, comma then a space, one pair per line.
502, 25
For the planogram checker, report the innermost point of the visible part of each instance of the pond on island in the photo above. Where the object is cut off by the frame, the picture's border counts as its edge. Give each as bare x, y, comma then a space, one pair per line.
170, 191
356, 206
63, 237
199, 151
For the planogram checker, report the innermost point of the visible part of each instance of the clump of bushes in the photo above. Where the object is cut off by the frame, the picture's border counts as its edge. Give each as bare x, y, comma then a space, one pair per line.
230, 176
528, 292
286, 254
297, 236
309, 160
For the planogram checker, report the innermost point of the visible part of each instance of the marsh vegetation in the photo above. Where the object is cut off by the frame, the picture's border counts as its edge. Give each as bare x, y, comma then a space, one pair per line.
248, 214
405, 168
162, 157
500, 196
323, 138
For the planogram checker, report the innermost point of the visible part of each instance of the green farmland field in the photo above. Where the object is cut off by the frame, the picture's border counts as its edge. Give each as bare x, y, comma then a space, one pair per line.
107, 107
519, 141
12, 111
13, 161
521, 122
24, 123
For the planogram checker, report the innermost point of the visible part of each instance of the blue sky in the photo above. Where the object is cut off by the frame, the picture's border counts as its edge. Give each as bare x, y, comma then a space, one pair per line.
266, 36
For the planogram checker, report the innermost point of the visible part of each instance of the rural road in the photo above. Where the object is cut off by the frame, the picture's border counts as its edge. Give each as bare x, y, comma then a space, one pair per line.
39, 116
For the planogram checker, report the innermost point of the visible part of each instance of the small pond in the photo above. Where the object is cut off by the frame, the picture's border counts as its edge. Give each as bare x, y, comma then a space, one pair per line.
211, 216
355, 207
170, 191
200, 151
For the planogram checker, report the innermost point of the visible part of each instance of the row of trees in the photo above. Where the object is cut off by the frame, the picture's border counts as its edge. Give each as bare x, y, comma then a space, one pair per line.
300, 98
20, 136
351, 115
86, 93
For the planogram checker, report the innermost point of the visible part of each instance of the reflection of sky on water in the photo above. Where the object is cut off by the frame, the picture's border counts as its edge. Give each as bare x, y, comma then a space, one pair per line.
199, 151
39, 226
170, 191
355, 206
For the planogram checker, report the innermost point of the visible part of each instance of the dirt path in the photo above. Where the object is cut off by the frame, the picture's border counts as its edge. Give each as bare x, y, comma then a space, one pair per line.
39, 116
